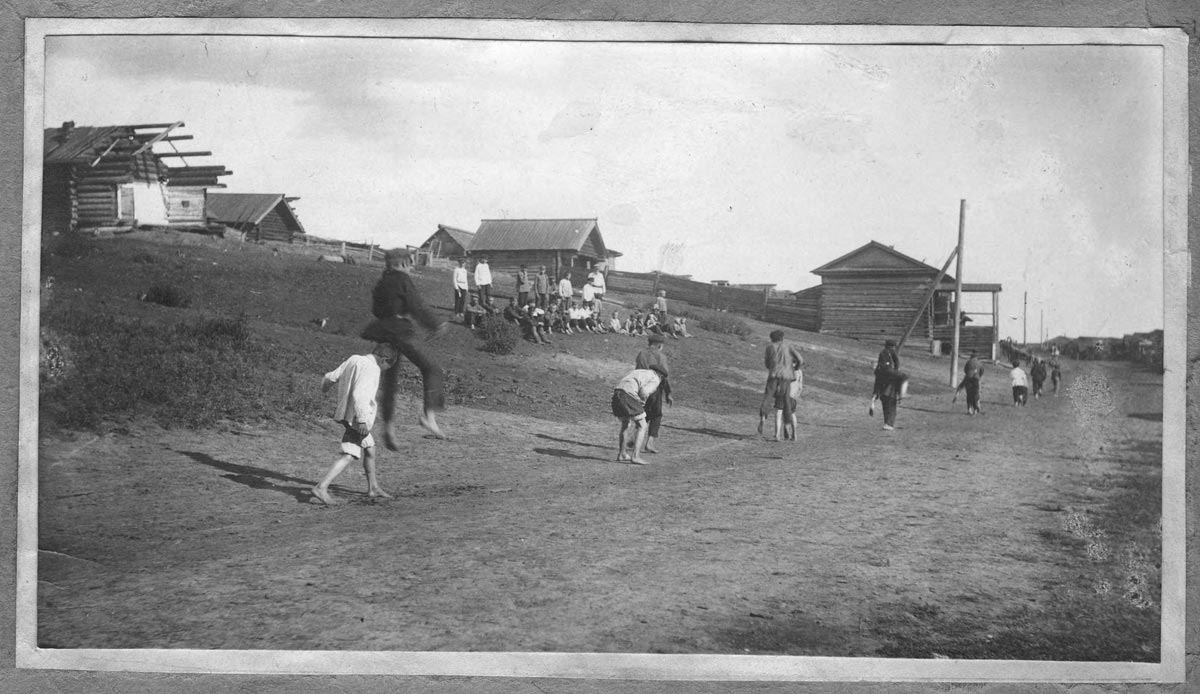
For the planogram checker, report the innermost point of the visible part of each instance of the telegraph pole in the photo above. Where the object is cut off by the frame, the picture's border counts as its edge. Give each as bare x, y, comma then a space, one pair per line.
1025, 321
958, 278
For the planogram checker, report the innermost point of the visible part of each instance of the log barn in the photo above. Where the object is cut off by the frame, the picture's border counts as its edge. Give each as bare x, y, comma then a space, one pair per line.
112, 176
562, 245
447, 243
260, 216
876, 292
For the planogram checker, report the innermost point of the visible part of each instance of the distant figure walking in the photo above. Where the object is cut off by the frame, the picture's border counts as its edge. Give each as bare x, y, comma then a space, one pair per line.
1038, 373
891, 392
483, 281
972, 377
629, 406
782, 360
886, 364
1055, 374
399, 315
357, 380
1020, 384
654, 358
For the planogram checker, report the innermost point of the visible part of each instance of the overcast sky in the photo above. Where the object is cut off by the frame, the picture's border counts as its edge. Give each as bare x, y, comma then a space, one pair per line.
763, 161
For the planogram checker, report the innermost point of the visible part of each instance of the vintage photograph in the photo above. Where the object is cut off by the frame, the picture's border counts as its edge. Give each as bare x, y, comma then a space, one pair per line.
473, 339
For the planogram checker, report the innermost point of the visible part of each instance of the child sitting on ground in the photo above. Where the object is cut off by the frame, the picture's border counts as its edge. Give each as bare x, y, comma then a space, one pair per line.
357, 380
614, 324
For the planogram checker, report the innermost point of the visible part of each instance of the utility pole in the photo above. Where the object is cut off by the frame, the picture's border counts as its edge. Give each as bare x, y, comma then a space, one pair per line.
958, 278
1025, 321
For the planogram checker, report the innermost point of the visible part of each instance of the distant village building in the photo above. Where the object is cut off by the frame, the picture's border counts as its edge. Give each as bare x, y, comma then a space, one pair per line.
561, 245
447, 243
876, 292
259, 216
111, 176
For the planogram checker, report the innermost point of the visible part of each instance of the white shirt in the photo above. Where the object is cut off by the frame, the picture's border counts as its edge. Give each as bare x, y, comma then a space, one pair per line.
597, 279
483, 274
460, 278
356, 379
589, 292
1018, 377
640, 383
564, 287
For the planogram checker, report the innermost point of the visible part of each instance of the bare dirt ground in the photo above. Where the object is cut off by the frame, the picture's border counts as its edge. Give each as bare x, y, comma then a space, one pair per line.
522, 532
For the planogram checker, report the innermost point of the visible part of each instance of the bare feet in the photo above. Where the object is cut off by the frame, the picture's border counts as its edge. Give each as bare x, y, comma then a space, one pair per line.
637, 461
429, 421
760, 424
650, 449
323, 495
378, 494
624, 457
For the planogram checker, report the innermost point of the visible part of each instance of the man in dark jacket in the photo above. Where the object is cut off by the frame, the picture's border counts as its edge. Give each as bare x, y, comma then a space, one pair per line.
400, 314
653, 358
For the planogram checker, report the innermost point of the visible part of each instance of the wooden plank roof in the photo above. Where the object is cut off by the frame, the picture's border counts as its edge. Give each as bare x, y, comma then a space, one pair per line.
875, 257
535, 234
241, 208
461, 236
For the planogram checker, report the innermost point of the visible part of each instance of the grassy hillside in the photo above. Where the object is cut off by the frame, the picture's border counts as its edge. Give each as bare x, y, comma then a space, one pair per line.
127, 355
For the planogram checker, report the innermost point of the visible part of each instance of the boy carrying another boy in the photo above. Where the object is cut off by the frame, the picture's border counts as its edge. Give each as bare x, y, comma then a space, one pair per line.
629, 405
357, 380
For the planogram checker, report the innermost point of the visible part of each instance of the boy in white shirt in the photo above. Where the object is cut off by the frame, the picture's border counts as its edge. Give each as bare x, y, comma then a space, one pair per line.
629, 406
357, 380
460, 288
483, 280
1020, 384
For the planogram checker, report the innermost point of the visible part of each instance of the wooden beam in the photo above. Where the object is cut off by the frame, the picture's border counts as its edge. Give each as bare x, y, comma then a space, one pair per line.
184, 154
932, 288
962, 222
150, 143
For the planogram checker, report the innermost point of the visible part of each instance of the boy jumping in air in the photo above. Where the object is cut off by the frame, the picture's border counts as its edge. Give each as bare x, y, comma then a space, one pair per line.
356, 380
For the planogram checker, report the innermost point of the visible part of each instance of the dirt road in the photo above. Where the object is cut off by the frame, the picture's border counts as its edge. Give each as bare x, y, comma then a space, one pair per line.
523, 533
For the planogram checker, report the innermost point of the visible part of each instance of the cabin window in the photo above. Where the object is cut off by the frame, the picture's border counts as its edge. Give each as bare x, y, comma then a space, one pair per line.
185, 203
943, 309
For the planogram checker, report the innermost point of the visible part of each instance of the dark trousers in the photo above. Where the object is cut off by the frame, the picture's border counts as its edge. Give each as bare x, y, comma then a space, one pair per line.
889, 409
522, 298
775, 397
485, 293
402, 334
543, 300
460, 300
971, 385
654, 412
1020, 395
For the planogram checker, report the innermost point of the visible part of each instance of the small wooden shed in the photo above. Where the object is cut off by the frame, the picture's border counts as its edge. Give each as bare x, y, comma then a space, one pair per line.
562, 245
877, 292
111, 176
260, 216
448, 243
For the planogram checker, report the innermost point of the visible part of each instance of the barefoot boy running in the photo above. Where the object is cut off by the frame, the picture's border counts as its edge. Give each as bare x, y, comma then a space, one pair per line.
629, 405
357, 380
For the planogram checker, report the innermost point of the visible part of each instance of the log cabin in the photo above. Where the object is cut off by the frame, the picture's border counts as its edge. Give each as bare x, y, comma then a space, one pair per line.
447, 243
876, 292
112, 176
562, 245
260, 216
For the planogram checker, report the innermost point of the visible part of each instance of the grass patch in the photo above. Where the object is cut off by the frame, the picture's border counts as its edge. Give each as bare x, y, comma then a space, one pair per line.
167, 295
192, 374
499, 336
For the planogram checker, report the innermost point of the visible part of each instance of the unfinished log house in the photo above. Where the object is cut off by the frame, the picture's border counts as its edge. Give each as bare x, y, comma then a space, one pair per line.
112, 176
561, 245
260, 216
875, 292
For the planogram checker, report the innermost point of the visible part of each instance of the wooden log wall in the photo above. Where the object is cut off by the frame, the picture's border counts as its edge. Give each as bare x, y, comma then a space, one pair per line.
58, 213
873, 308
274, 228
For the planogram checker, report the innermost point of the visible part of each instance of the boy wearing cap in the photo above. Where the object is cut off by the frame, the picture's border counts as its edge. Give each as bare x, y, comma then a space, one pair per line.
399, 315
629, 406
357, 380
483, 280
655, 359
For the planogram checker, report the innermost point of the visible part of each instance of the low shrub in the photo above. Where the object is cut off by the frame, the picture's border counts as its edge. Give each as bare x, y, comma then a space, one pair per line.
725, 324
499, 336
144, 258
167, 295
